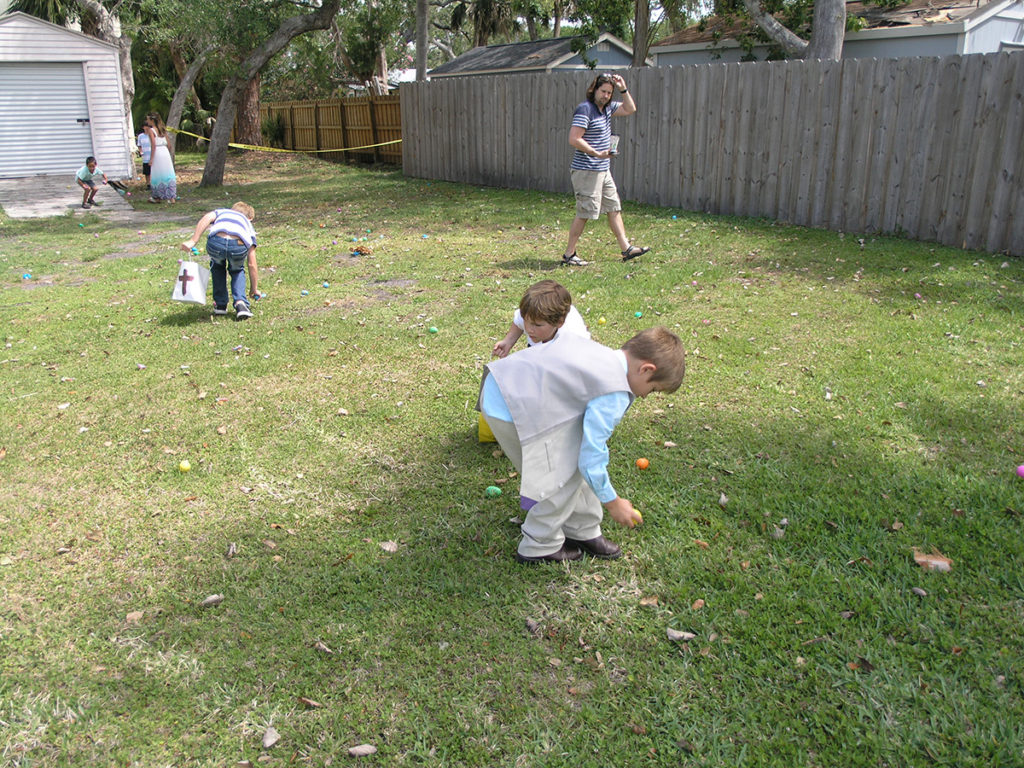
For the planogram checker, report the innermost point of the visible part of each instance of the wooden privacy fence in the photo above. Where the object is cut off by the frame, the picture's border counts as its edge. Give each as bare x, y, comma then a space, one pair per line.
336, 124
930, 148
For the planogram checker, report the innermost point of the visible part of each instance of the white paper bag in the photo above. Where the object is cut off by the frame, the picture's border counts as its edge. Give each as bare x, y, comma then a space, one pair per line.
190, 285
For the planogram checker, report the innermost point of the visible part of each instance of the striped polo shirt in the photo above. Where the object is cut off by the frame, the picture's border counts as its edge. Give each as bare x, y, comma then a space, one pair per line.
597, 132
231, 222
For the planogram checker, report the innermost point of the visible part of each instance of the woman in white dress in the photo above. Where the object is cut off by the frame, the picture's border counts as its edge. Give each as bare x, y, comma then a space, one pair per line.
162, 182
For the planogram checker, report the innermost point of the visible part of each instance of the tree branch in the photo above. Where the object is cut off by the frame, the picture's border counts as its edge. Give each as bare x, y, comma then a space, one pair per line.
792, 44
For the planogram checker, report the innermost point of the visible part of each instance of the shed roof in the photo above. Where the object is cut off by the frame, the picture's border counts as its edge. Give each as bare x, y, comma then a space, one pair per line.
913, 13
519, 57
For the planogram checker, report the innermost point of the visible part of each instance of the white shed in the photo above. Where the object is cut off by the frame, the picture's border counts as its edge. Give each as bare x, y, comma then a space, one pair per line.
60, 101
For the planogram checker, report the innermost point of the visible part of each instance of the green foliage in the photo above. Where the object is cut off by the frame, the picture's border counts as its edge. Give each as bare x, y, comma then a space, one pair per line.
274, 130
370, 28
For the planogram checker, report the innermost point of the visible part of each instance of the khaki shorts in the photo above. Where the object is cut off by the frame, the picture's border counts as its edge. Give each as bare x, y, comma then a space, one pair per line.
595, 193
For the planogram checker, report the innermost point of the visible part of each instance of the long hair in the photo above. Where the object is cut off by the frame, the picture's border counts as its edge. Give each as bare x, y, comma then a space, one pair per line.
158, 123
598, 82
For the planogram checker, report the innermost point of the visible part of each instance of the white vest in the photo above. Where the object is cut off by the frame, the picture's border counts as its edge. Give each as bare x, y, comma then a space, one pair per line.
549, 385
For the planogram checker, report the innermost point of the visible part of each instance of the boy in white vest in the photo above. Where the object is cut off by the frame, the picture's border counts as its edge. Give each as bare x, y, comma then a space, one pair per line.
552, 408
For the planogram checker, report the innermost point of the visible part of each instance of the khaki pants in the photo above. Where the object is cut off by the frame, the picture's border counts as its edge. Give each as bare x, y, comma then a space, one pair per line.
564, 507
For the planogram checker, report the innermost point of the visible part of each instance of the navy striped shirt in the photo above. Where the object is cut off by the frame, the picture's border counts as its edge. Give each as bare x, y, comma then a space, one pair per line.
597, 132
232, 222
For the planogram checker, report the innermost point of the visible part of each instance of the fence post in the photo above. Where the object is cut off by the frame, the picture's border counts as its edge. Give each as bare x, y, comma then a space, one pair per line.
373, 130
291, 126
344, 128
316, 125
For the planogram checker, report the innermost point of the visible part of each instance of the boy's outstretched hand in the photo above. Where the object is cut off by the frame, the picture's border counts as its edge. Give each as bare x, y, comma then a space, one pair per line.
622, 512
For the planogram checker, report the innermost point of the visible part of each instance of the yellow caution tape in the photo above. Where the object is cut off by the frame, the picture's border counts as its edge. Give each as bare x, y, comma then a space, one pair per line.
277, 149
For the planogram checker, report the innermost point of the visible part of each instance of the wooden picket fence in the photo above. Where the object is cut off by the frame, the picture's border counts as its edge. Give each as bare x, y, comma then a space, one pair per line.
929, 148
339, 125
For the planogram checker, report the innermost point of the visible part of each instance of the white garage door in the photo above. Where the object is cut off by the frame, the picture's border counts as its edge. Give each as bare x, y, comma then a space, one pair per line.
44, 119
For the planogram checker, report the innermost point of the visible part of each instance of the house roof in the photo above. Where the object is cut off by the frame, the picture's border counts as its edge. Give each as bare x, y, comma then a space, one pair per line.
15, 18
913, 13
519, 57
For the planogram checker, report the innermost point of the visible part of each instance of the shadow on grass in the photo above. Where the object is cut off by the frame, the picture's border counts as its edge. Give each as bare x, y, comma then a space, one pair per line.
188, 315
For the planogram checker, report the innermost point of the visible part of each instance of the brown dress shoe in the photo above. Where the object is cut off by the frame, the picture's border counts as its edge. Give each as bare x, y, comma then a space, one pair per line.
567, 552
599, 547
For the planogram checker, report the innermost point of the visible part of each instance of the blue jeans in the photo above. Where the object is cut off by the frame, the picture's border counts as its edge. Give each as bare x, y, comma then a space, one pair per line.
227, 258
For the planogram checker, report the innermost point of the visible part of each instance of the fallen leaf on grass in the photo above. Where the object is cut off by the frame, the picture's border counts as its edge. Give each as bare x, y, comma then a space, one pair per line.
701, 544
232, 550
389, 546
934, 561
861, 559
669, 444
533, 627
697, 604
649, 601
676, 636
309, 702
134, 617
919, 592
222, 430
243, 764
322, 647
723, 500
363, 750
270, 544
270, 737
861, 664
212, 600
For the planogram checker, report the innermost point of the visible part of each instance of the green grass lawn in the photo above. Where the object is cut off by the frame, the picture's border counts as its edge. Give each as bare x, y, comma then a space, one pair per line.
847, 399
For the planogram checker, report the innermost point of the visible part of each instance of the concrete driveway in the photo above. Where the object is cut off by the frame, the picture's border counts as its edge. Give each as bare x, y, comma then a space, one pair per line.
43, 196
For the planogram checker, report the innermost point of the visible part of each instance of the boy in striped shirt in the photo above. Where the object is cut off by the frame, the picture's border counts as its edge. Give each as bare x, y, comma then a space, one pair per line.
231, 245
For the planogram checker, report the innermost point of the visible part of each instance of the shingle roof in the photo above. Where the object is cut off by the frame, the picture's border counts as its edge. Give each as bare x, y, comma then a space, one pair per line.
534, 54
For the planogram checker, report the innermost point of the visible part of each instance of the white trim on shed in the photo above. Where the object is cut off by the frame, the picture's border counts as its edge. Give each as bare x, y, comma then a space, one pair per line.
73, 70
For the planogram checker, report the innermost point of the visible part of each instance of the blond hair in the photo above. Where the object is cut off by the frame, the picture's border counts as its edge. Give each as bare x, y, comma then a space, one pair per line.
546, 301
245, 208
658, 345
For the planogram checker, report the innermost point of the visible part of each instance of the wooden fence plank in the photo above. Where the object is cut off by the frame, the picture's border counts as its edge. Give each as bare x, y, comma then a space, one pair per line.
993, 103
844, 132
907, 74
825, 143
1008, 184
940, 150
795, 77
777, 77
950, 226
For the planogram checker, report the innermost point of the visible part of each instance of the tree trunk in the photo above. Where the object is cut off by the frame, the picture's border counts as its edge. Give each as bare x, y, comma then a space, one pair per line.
290, 28
531, 25
248, 129
422, 38
641, 30
382, 67
556, 15
181, 94
827, 30
180, 69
